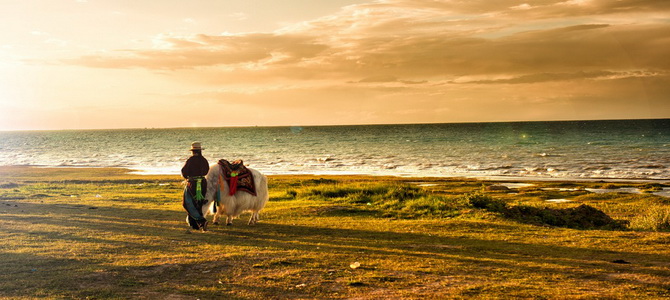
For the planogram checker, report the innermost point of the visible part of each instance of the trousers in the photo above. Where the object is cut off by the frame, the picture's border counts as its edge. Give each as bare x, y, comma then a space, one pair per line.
193, 206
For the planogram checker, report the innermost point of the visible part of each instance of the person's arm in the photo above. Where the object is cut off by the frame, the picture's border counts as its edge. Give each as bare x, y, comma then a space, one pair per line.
185, 170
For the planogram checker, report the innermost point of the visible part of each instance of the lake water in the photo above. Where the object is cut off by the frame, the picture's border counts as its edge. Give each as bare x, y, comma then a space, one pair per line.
625, 149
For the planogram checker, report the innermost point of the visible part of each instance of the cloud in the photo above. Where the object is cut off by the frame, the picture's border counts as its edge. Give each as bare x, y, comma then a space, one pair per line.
201, 50
240, 16
380, 78
57, 42
431, 50
553, 77
522, 6
538, 9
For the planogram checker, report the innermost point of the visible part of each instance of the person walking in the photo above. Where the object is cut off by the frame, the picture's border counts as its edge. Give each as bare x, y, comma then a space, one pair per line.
194, 171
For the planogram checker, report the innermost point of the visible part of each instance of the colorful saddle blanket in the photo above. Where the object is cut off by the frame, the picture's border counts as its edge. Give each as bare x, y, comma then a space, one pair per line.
237, 176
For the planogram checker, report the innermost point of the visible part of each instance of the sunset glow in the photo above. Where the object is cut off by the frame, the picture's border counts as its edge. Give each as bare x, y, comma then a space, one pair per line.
126, 64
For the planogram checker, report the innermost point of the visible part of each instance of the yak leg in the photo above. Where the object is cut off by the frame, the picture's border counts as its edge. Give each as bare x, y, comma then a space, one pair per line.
229, 220
254, 218
217, 215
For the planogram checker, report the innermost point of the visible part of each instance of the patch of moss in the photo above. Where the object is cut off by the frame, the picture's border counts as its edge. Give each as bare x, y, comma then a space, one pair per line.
580, 217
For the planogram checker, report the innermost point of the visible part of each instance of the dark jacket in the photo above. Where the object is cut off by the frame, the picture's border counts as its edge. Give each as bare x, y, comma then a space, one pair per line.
196, 165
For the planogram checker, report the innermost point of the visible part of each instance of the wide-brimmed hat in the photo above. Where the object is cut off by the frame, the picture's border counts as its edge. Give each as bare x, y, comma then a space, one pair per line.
196, 146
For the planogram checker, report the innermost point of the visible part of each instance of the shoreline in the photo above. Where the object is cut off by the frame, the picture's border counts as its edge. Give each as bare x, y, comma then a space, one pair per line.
493, 178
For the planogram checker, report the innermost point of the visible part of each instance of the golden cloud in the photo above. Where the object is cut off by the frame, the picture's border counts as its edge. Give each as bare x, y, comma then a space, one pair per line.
390, 51
389, 39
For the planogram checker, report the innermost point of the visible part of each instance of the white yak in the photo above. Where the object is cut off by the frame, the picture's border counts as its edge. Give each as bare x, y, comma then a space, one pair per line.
241, 201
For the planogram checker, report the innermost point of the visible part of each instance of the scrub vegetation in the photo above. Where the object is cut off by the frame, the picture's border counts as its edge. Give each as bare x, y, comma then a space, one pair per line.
108, 234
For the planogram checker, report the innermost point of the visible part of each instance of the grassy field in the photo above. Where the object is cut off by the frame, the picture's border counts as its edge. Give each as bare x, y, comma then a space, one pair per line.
106, 234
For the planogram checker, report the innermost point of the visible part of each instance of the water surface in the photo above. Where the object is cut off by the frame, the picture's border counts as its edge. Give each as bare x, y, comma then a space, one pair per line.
625, 149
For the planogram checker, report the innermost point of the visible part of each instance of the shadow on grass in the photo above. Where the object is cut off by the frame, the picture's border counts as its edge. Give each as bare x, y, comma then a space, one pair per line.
259, 251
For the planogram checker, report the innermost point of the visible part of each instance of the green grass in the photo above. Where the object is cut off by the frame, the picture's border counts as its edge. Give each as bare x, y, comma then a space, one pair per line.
107, 234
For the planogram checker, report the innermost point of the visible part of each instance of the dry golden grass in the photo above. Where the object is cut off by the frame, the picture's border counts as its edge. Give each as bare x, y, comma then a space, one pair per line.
107, 234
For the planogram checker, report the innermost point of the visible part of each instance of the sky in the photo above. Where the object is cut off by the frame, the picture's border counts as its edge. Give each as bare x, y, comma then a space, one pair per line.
93, 64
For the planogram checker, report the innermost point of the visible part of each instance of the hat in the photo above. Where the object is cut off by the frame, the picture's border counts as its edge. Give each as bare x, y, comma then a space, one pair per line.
196, 146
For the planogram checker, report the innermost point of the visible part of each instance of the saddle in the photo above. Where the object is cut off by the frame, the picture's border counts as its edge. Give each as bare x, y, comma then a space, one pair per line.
237, 176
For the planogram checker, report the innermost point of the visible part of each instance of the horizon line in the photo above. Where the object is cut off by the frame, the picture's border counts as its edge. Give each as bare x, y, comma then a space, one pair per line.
331, 125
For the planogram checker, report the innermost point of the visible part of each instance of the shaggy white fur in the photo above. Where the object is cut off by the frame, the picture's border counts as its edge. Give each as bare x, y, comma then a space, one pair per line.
233, 206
